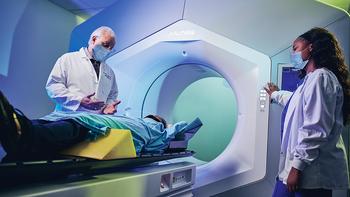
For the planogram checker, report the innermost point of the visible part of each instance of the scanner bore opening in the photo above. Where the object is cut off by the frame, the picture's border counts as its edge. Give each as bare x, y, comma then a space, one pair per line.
191, 90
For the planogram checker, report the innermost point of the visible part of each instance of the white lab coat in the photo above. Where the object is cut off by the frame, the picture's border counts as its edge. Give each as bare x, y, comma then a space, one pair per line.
311, 140
73, 77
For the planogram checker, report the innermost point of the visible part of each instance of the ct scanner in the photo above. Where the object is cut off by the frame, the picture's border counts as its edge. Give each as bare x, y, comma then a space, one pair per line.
176, 43
164, 46
194, 48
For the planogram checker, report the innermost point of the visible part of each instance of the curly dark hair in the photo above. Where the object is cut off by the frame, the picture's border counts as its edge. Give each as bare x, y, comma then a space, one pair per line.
327, 53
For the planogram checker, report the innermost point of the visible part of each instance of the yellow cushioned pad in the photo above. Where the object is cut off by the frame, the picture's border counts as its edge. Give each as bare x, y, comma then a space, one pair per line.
117, 144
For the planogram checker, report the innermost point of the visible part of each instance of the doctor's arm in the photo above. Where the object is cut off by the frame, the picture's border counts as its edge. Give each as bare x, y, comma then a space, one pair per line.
281, 97
112, 102
319, 118
57, 90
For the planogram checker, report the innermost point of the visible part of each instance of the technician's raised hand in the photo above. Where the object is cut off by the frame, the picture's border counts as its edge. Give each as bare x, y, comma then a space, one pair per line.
111, 108
270, 88
89, 103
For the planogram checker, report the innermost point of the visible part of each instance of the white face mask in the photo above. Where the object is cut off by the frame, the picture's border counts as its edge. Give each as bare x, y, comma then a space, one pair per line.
297, 60
100, 53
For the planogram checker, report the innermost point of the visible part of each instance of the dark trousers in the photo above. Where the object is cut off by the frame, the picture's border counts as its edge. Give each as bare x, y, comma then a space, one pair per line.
48, 137
44, 139
281, 190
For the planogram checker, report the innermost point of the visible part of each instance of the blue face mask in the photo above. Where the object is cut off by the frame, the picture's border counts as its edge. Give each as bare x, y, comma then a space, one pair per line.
297, 61
100, 53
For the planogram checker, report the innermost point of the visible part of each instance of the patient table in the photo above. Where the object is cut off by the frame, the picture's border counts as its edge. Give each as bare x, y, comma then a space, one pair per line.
91, 168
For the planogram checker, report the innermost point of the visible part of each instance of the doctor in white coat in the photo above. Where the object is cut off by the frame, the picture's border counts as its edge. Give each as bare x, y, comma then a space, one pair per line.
82, 81
312, 158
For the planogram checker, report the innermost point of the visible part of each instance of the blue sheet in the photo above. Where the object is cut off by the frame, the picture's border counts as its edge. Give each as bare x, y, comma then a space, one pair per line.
148, 135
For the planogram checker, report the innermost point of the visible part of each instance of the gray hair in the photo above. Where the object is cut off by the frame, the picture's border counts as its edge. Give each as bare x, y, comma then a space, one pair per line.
99, 31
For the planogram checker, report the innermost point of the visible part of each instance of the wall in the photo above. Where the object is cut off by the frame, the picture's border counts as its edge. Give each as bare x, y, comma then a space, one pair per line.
34, 34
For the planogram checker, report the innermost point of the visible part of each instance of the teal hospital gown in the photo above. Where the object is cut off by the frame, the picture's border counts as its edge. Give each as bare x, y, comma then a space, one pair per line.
148, 135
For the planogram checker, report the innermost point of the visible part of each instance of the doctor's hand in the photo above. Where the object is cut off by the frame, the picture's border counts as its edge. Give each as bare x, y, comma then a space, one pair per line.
89, 103
270, 88
293, 180
111, 108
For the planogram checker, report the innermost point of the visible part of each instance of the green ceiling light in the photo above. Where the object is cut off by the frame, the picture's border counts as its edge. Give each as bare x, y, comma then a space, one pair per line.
339, 4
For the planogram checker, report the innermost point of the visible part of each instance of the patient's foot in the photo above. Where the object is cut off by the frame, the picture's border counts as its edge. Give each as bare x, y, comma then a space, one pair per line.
13, 125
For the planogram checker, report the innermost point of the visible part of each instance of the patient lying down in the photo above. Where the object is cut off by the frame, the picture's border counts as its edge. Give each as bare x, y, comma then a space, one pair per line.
23, 138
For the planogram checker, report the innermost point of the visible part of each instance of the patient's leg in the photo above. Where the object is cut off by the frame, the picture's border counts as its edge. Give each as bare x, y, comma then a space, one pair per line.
44, 139
57, 135
21, 137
